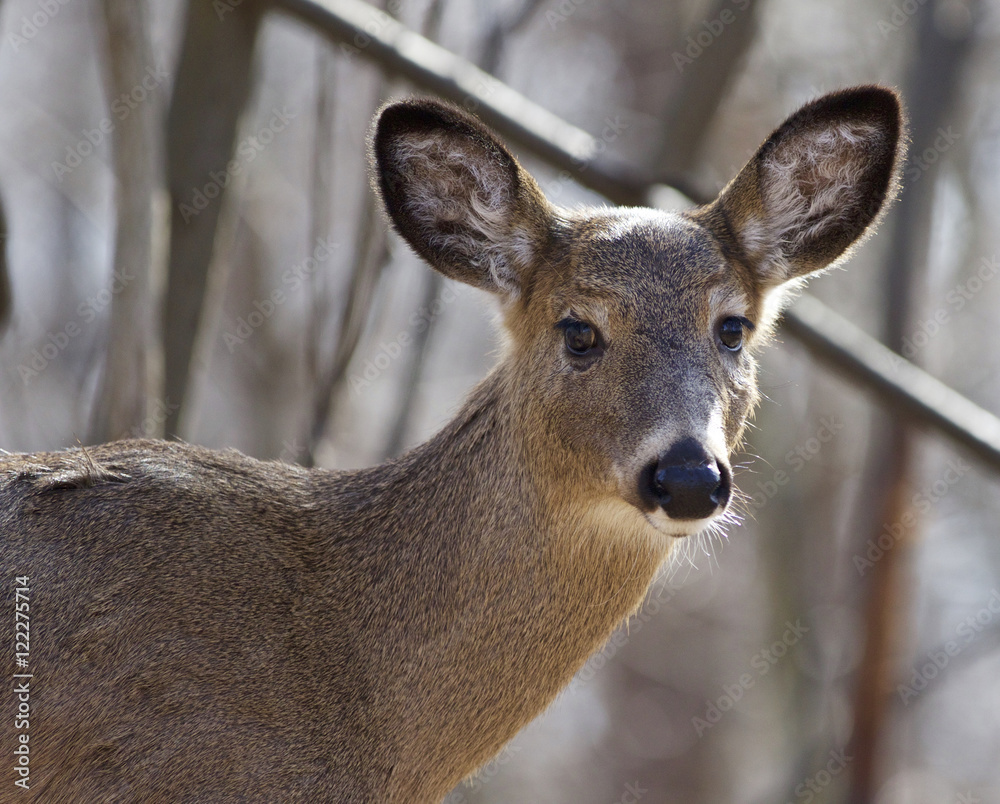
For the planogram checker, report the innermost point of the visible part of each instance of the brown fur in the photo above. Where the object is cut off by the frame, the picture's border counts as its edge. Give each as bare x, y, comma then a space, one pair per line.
209, 627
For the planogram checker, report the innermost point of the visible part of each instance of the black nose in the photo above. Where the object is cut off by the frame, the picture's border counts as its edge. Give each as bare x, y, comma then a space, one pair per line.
687, 482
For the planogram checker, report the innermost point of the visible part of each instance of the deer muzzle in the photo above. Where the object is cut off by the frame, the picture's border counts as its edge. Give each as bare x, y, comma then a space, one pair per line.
686, 482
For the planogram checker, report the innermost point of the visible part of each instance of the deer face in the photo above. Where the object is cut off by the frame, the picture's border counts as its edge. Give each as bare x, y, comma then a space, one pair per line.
640, 335
631, 332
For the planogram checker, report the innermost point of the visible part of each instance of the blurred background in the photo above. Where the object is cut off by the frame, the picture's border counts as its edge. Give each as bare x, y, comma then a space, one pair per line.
204, 163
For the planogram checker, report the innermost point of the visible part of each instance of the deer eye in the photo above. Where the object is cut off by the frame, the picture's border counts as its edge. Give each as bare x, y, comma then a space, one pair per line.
581, 339
731, 332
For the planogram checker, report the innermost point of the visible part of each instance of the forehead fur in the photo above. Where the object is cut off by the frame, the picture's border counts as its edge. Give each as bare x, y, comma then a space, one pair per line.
657, 271
642, 252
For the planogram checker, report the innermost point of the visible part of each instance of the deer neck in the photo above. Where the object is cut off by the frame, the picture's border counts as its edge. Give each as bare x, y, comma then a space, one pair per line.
486, 616
526, 532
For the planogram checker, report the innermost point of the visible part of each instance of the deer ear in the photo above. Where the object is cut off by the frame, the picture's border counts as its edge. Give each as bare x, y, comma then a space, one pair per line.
457, 195
816, 185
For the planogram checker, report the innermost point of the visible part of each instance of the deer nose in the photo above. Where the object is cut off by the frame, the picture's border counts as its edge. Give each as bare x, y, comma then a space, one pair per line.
687, 482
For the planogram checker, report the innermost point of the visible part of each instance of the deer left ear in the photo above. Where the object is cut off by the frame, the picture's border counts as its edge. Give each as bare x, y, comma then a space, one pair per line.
457, 195
816, 186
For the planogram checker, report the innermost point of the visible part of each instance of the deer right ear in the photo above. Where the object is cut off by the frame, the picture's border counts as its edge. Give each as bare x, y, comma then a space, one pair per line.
816, 185
457, 195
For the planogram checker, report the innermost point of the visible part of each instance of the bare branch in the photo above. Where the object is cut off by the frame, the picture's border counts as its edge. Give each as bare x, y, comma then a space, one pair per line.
703, 85
132, 360
212, 86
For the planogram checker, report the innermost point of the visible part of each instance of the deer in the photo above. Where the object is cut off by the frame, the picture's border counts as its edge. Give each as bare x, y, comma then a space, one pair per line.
205, 626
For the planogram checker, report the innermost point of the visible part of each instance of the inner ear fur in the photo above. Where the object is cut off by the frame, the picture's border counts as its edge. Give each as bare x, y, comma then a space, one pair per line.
456, 194
817, 184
